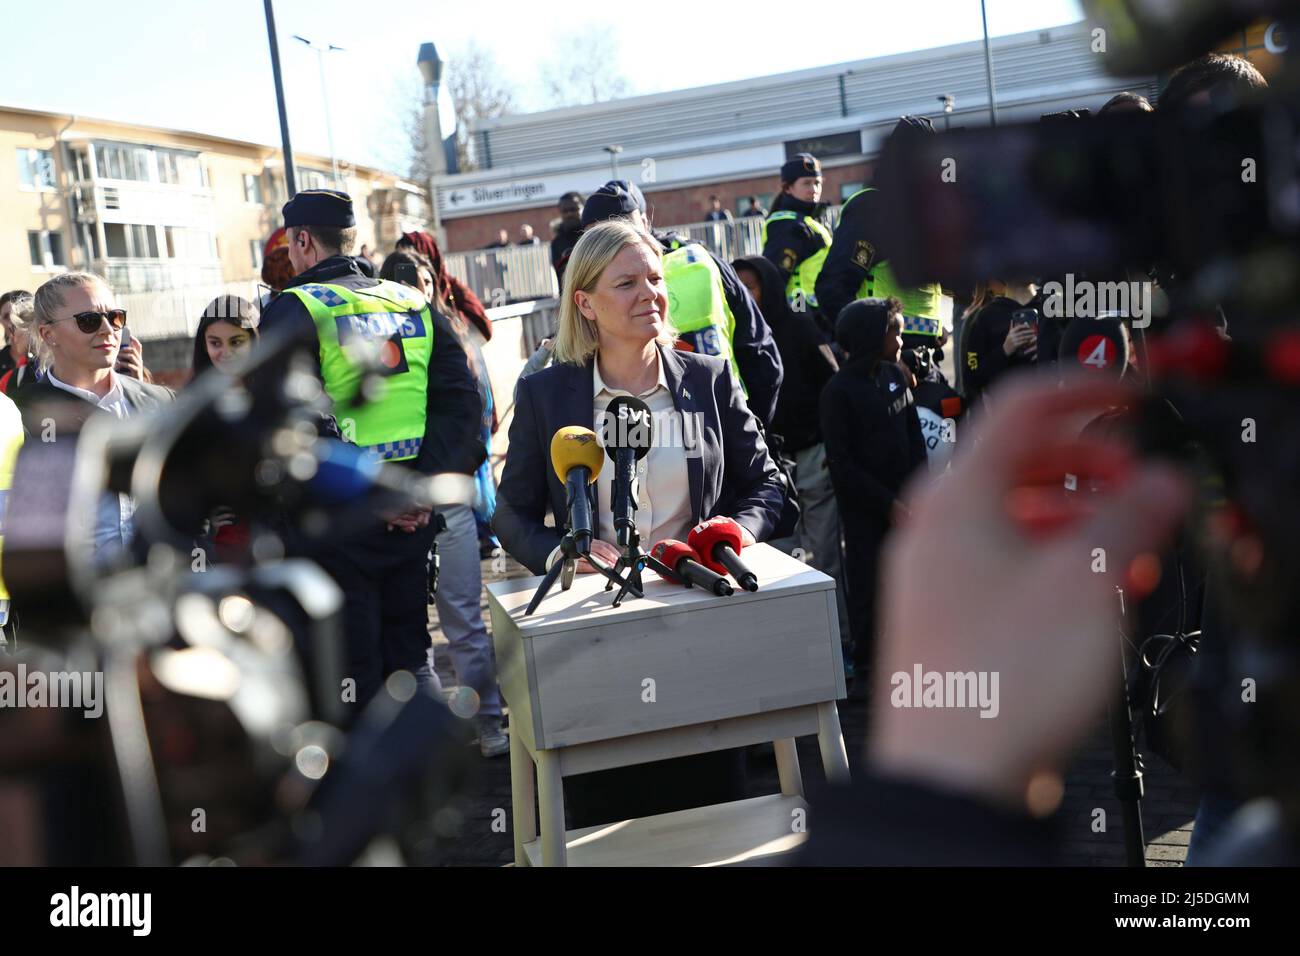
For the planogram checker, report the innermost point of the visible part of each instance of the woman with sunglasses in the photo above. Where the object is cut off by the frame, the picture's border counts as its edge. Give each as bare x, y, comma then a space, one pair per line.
77, 333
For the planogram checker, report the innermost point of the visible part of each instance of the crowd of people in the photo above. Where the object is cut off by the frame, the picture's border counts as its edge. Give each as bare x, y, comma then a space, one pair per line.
817, 376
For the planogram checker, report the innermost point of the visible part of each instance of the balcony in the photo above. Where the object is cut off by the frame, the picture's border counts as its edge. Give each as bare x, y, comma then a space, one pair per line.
129, 201
154, 275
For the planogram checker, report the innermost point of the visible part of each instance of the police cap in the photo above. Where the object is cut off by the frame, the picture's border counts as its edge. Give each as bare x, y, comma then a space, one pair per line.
320, 207
799, 166
616, 198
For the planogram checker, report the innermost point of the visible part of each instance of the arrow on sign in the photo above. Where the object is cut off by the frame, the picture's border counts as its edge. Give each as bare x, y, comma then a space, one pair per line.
456, 198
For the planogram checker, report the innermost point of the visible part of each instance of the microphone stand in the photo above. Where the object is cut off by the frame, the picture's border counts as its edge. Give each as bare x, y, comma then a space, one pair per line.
570, 554
1126, 777
633, 560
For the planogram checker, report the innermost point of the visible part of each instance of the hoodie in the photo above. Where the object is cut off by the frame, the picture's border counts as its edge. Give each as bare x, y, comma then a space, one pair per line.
869, 423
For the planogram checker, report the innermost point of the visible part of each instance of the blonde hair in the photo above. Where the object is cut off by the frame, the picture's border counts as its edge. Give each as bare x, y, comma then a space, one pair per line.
46, 303
981, 297
577, 339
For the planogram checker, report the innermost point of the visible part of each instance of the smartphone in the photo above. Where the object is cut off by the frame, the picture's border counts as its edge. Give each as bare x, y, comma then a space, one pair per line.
407, 273
1027, 317
125, 344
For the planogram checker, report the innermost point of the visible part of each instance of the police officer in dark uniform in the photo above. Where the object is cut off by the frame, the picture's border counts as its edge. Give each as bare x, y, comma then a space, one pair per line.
857, 266
795, 239
708, 306
424, 418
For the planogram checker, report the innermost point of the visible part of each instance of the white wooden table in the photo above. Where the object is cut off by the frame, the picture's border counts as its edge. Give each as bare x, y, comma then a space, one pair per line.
677, 672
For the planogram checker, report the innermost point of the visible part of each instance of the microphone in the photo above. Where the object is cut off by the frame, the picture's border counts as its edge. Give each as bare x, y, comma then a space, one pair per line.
628, 430
687, 569
1096, 345
576, 458
718, 542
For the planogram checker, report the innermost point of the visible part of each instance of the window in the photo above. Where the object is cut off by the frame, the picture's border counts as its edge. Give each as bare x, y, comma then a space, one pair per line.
167, 172
252, 188
184, 243
115, 240
46, 248
255, 252
313, 179
131, 241
144, 242
180, 169
146, 164
36, 168
122, 162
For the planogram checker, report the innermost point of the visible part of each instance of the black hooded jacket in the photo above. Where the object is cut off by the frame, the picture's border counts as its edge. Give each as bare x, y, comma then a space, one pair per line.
806, 367
869, 424
984, 362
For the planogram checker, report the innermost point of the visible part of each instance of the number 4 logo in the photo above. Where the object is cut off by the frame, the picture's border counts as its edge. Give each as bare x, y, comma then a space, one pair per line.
1097, 352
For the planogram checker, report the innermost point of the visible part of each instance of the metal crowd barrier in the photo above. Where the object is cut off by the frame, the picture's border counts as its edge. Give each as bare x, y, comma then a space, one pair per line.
502, 276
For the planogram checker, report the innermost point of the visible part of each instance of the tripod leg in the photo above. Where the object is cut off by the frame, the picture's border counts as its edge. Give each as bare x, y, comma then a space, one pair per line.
632, 581
1127, 775
612, 577
545, 586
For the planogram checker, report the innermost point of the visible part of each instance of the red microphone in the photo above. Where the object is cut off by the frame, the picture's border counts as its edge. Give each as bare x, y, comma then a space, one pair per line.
719, 541
680, 558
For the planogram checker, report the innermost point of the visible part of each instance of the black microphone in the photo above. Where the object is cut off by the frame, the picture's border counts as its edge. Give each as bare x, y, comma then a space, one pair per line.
628, 429
718, 542
684, 563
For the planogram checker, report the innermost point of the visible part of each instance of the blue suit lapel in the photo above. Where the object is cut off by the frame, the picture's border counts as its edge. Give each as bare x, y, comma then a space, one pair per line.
684, 401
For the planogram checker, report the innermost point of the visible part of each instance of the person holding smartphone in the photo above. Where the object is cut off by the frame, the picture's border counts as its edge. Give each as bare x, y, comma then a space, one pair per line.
225, 337
77, 329
1000, 334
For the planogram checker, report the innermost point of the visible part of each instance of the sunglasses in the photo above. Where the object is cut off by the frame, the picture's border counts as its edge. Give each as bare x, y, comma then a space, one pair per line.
89, 322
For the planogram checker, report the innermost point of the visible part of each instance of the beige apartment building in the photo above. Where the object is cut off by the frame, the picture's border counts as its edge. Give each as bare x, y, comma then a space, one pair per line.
170, 218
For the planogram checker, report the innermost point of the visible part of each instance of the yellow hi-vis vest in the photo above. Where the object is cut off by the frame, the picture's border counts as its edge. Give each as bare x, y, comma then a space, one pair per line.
802, 283
388, 322
921, 307
697, 301
11, 439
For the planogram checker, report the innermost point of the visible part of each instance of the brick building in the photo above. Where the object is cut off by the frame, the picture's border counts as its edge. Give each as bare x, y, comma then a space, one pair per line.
730, 139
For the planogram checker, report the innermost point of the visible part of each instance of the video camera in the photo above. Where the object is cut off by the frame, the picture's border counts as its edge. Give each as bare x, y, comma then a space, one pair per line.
225, 685
1206, 200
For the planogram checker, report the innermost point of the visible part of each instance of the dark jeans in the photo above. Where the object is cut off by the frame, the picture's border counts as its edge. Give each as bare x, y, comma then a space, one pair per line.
863, 539
1212, 817
385, 582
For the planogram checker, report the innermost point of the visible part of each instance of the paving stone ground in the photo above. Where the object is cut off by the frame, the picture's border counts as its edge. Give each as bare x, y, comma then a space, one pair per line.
1168, 809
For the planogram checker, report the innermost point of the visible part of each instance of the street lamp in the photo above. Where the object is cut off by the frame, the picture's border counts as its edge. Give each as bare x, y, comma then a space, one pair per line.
948, 101
613, 160
329, 129
988, 68
291, 186
431, 65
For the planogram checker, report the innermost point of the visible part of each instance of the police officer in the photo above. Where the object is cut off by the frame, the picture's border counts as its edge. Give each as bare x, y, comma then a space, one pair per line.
794, 238
856, 266
425, 418
708, 306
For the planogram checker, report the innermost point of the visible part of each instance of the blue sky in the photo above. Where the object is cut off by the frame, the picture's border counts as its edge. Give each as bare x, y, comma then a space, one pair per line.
204, 65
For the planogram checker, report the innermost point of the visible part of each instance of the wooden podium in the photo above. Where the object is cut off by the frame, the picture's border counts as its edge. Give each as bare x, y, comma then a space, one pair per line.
677, 672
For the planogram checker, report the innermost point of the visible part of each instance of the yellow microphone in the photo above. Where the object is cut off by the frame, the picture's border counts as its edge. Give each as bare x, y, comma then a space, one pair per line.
577, 457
